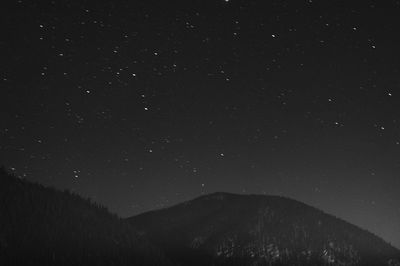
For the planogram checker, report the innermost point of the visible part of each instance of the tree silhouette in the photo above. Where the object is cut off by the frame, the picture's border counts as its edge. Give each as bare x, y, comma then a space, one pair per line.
43, 226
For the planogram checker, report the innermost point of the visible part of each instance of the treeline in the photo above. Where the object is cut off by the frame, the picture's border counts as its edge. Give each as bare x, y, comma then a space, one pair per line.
43, 226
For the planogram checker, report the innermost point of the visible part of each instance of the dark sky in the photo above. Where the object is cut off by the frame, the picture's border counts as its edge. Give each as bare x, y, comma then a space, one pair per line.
144, 104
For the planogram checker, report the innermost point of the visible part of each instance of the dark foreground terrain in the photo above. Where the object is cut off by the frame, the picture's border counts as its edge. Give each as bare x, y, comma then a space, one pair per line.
44, 226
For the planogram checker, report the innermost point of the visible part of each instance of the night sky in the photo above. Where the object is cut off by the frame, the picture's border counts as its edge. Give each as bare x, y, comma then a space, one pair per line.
143, 104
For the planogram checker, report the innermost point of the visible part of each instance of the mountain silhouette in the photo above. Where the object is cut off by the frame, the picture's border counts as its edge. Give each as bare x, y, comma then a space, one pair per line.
230, 229
44, 226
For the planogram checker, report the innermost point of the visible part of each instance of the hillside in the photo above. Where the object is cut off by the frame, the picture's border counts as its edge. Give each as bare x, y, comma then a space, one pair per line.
229, 229
44, 226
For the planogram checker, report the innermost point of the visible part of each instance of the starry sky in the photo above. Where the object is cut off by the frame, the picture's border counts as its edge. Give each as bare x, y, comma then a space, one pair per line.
143, 104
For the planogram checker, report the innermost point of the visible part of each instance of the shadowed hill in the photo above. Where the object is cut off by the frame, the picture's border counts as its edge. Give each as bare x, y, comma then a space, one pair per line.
44, 226
229, 229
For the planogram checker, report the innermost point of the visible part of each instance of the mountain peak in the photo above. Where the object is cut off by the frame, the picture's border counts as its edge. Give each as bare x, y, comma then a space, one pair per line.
260, 230
219, 195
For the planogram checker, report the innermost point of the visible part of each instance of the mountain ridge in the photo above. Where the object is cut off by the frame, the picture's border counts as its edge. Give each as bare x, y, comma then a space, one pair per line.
209, 223
43, 226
